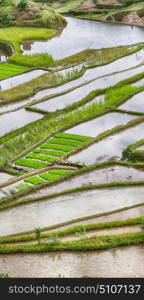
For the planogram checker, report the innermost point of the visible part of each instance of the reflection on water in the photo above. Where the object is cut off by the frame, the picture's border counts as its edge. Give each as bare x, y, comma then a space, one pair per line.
20, 79
83, 34
109, 263
96, 126
68, 207
17, 119
136, 103
103, 175
60, 102
109, 147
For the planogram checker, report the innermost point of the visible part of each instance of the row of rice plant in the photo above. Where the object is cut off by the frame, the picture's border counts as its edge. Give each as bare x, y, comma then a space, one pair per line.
51, 151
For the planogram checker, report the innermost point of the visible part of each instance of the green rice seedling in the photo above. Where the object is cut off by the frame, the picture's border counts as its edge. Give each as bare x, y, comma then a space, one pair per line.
23, 186
72, 137
62, 141
57, 147
50, 152
30, 163
34, 180
41, 157
60, 171
49, 177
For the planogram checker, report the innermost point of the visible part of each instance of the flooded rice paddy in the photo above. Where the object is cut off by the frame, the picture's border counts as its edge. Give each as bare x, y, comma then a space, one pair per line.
68, 207
110, 147
102, 175
96, 126
83, 34
20, 79
136, 103
17, 119
108, 263
77, 94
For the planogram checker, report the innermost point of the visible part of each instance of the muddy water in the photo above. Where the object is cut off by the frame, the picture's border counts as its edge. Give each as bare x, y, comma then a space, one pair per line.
136, 103
102, 232
17, 119
68, 207
130, 213
108, 263
61, 102
94, 127
20, 79
82, 34
4, 177
109, 147
103, 175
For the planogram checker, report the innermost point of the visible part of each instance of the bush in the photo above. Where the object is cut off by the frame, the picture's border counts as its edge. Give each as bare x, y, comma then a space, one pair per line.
23, 4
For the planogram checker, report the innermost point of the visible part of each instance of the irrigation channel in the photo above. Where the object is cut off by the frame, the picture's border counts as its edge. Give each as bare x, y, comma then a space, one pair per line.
76, 175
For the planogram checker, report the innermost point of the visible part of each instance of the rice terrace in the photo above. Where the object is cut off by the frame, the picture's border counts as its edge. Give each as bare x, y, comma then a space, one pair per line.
72, 138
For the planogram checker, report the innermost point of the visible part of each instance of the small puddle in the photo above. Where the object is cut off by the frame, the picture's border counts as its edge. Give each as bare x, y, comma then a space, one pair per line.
68, 207
76, 95
136, 103
17, 119
110, 147
20, 79
108, 264
96, 126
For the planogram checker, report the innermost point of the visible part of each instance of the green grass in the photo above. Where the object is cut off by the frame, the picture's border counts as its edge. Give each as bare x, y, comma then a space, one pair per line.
57, 147
63, 141
23, 186
49, 177
42, 157
72, 137
8, 70
95, 243
30, 163
50, 152
34, 180
16, 35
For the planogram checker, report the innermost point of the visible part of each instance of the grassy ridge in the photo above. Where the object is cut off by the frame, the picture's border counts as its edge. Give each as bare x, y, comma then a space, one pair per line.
100, 243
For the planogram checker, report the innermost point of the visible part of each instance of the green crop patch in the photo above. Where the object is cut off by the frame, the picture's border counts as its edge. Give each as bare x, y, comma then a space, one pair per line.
35, 180
49, 177
72, 137
61, 172
8, 70
63, 141
50, 152
30, 163
41, 157
57, 147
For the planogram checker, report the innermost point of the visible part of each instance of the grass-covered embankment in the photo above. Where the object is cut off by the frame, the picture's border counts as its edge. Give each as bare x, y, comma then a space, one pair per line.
81, 229
95, 243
